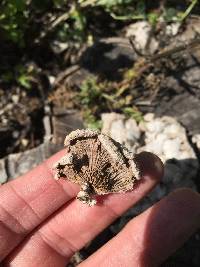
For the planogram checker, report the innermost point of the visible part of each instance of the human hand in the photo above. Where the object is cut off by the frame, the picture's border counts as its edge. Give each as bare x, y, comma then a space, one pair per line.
41, 224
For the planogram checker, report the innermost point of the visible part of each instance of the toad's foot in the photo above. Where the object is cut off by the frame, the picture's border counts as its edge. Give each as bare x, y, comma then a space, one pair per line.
84, 196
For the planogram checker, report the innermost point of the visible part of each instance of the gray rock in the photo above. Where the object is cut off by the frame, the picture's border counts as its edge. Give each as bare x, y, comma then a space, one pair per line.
63, 122
184, 107
20, 163
184, 104
3, 173
108, 57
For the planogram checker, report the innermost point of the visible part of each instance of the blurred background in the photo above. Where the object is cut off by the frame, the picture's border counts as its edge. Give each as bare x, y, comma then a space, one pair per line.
130, 68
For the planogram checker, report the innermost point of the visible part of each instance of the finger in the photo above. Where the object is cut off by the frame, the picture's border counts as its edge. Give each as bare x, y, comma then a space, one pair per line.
29, 200
76, 224
153, 236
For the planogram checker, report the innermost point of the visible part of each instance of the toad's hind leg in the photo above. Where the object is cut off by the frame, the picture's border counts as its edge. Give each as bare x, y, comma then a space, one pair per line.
84, 195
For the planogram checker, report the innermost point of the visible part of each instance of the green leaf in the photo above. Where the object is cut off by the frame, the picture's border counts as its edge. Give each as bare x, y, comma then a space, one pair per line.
24, 81
133, 113
19, 5
170, 14
153, 18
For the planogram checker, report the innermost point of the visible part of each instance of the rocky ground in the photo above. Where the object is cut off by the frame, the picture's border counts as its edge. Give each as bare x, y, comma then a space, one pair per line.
169, 126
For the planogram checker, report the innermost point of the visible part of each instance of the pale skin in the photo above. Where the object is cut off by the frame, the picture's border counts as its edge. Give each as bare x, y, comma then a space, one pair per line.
43, 224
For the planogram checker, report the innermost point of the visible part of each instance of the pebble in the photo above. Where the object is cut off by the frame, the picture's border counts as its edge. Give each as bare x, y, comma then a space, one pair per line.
24, 142
51, 79
149, 117
15, 98
173, 28
155, 126
15, 134
59, 47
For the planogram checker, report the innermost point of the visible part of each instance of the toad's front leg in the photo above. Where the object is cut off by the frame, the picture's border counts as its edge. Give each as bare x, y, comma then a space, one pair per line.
84, 195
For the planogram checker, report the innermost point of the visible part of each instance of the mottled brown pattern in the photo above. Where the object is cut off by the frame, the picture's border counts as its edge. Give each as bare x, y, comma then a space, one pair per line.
98, 164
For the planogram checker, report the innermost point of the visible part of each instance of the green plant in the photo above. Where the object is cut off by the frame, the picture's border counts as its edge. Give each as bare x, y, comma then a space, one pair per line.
185, 14
69, 19
96, 97
119, 9
13, 18
19, 75
173, 14
91, 120
73, 25
90, 98
134, 113
90, 92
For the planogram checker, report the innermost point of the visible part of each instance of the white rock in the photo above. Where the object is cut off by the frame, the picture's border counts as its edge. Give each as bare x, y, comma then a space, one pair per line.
172, 130
59, 47
184, 155
167, 138
124, 131
142, 126
107, 120
51, 79
132, 130
171, 148
15, 134
155, 126
140, 32
196, 140
164, 137
156, 145
24, 142
15, 98
118, 132
149, 117
173, 28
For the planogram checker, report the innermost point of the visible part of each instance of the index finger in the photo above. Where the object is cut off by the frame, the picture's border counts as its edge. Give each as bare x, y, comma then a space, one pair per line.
29, 200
